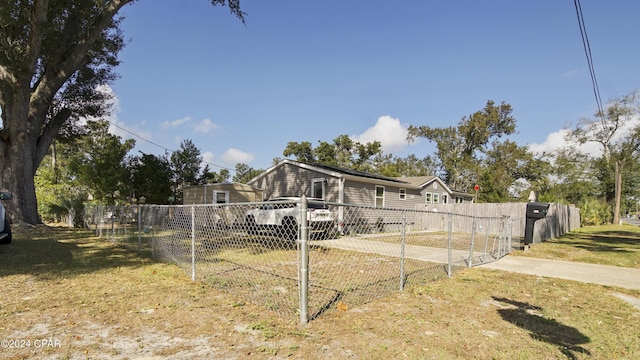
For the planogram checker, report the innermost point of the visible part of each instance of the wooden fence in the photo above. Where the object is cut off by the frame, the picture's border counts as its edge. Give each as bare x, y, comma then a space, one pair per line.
560, 218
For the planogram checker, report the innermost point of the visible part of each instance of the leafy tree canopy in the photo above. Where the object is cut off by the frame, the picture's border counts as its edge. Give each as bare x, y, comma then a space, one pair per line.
460, 149
101, 163
55, 55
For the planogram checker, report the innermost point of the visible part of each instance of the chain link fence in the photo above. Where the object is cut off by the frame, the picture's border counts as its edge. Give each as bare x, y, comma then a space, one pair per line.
300, 258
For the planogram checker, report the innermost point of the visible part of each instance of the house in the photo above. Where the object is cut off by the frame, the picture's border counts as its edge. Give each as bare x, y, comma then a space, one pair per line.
221, 193
435, 191
344, 186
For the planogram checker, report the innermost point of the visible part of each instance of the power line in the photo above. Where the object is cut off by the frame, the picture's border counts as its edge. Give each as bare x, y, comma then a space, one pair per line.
587, 52
160, 146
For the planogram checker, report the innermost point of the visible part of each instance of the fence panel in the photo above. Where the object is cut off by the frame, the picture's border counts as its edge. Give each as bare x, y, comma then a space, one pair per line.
304, 258
560, 218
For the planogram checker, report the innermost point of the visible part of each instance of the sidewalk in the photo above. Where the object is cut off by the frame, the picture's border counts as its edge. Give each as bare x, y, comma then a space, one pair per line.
628, 278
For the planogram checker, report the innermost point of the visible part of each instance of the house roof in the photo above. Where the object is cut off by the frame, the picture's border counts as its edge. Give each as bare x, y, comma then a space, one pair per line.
357, 173
417, 180
334, 171
224, 184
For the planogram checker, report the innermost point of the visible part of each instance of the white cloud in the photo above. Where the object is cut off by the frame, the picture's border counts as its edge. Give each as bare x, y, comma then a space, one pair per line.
117, 127
553, 142
176, 123
234, 156
557, 140
388, 131
208, 156
205, 126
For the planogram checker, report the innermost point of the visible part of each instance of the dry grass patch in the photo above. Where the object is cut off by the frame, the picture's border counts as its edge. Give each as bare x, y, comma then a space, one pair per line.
103, 302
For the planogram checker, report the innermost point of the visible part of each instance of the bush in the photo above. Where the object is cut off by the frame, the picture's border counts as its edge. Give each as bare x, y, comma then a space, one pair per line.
593, 212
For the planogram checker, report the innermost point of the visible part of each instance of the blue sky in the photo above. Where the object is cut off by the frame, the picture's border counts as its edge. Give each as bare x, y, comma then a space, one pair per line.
314, 70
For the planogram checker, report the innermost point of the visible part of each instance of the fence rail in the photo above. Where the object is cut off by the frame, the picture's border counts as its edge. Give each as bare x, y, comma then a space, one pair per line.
304, 258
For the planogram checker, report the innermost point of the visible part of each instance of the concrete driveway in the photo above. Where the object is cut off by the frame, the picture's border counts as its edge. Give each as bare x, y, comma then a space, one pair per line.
423, 253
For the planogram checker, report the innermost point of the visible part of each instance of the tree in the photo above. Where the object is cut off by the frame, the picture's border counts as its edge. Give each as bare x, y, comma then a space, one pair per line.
413, 166
151, 177
185, 164
460, 149
54, 57
573, 177
244, 173
619, 140
211, 177
100, 164
302, 151
61, 196
343, 152
506, 164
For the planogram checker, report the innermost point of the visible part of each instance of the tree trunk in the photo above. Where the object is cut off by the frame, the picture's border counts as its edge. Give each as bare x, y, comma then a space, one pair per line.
18, 146
618, 192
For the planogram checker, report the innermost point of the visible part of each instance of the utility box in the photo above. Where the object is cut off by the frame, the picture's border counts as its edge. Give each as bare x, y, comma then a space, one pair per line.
535, 211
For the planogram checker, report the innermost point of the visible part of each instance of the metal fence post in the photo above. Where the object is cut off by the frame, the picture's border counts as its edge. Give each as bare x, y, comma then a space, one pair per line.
113, 233
473, 238
450, 245
139, 229
510, 234
193, 243
402, 248
304, 261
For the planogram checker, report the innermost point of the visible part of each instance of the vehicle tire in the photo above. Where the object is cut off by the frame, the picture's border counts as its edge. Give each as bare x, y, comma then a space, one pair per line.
7, 230
290, 228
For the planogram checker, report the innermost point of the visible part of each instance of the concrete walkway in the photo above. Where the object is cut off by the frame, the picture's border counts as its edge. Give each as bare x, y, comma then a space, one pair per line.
628, 278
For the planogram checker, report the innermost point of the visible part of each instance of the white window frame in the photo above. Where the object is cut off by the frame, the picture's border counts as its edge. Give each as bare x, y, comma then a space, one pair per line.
376, 197
428, 198
402, 194
436, 198
215, 197
445, 198
322, 182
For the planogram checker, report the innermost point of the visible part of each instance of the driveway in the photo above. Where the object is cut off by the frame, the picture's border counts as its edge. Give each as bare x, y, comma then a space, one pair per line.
423, 253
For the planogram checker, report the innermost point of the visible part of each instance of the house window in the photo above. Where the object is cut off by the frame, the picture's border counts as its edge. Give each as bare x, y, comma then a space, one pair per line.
379, 196
318, 188
427, 198
220, 197
445, 198
458, 200
403, 194
436, 198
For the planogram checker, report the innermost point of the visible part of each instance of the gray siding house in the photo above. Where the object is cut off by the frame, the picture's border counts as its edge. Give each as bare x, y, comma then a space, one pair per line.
344, 186
221, 193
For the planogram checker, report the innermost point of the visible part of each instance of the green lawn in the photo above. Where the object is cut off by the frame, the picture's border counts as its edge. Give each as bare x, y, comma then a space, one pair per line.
617, 245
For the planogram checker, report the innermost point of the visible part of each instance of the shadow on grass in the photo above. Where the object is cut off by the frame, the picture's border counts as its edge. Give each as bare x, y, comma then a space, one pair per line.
524, 315
608, 241
49, 252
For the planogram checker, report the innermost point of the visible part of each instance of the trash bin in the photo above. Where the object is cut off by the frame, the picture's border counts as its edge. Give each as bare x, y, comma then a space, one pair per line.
535, 211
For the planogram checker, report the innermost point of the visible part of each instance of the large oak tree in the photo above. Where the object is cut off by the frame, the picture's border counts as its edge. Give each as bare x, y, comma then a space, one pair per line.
461, 149
54, 55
